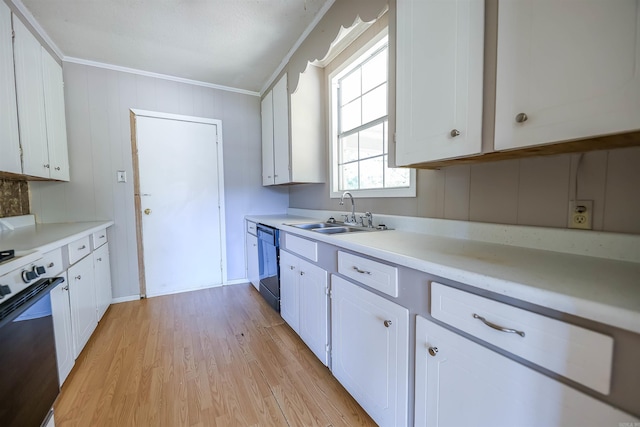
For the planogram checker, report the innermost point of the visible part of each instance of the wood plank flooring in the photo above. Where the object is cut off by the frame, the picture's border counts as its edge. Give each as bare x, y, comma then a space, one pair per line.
216, 357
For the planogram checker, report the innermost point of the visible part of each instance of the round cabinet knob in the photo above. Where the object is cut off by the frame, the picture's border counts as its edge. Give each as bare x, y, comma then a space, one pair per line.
521, 118
66, 288
454, 133
147, 211
433, 351
387, 323
46, 166
302, 273
78, 277
291, 267
57, 168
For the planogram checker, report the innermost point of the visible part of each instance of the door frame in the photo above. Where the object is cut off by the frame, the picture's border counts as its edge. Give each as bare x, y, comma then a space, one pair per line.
133, 113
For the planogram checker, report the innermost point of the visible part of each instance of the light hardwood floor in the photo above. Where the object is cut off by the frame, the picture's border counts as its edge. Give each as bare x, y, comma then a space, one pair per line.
216, 357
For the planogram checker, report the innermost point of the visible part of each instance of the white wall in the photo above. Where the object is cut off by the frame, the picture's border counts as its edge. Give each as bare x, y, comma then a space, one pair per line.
97, 107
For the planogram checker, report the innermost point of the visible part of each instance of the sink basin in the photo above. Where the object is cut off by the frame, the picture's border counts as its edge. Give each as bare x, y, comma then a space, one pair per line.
310, 226
340, 229
330, 228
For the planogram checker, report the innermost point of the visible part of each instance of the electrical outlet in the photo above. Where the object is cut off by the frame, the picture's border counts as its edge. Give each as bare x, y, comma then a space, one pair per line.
581, 214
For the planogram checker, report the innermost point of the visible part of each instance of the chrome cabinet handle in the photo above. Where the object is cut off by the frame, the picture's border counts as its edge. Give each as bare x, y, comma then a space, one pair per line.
455, 132
521, 118
433, 351
66, 288
57, 168
82, 247
101, 237
387, 323
99, 259
361, 271
498, 327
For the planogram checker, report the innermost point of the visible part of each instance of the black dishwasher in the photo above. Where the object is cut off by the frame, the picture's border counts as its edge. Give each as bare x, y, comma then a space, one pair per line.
269, 255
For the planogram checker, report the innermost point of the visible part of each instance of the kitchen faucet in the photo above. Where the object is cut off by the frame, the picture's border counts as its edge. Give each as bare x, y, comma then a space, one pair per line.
352, 220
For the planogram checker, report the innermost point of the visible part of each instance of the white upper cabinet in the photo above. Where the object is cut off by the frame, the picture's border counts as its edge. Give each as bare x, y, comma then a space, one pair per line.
297, 157
440, 46
275, 135
53, 86
571, 68
9, 139
31, 111
40, 99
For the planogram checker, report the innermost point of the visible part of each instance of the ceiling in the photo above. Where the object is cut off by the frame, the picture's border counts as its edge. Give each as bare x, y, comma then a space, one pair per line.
233, 43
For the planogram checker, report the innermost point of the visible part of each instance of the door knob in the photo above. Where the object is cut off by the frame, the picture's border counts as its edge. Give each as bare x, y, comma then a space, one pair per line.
387, 323
433, 351
521, 118
147, 211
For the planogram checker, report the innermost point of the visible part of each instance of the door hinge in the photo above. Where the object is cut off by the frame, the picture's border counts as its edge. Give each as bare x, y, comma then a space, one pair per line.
326, 291
327, 348
395, 137
13, 34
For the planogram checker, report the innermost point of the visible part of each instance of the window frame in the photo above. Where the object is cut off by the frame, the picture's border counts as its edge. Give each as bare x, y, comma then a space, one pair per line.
343, 69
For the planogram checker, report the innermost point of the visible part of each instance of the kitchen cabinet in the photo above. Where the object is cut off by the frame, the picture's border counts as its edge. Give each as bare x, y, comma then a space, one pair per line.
370, 351
565, 74
9, 139
493, 390
40, 100
253, 262
102, 279
82, 296
61, 311
275, 134
304, 302
296, 156
439, 79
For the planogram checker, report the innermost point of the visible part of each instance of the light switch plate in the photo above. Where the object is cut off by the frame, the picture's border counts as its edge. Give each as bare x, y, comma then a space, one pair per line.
122, 176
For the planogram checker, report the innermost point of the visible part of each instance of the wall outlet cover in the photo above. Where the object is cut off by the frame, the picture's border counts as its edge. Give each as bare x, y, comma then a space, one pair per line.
581, 214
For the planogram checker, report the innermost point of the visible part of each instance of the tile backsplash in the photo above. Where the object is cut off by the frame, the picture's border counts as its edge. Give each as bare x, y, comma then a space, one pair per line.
14, 198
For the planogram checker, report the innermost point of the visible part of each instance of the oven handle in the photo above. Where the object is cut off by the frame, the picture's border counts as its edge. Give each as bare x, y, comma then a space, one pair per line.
21, 302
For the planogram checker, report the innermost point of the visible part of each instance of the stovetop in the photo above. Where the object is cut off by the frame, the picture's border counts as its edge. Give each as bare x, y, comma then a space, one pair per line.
7, 255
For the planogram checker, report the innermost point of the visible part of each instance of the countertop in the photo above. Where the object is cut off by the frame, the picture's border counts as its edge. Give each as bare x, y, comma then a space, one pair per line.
600, 289
33, 240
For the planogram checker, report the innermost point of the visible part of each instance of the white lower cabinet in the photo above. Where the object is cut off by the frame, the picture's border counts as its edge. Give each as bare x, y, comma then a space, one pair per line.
82, 293
62, 328
253, 263
304, 302
370, 351
102, 277
461, 383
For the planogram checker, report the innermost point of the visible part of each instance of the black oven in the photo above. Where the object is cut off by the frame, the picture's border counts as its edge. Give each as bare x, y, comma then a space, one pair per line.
268, 256
29, 380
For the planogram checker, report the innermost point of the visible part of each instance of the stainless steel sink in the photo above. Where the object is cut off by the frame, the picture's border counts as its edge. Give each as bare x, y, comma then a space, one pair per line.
330, 228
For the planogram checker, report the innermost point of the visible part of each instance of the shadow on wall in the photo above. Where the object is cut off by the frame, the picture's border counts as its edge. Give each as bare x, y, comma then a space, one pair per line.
14, 198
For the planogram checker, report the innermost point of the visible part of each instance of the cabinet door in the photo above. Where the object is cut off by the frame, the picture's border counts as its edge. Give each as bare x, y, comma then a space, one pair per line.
82, 294
573, 72
494, 390
102, 276
370, 350
53, 86
9, 140
253, 263
281, 131
289, 290
314, 308
266, 111
31, 113
62, 328
439, 79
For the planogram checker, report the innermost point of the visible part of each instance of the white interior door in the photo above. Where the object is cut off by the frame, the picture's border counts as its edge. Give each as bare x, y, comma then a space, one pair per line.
180, 184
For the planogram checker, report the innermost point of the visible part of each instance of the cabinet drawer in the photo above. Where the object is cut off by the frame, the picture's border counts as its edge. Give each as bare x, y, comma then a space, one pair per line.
251, 228
302, 247
78, 250
579, 354
99, 238
381, 277
52, 262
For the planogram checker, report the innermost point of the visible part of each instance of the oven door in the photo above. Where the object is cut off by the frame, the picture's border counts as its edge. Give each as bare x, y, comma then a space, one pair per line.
29, 383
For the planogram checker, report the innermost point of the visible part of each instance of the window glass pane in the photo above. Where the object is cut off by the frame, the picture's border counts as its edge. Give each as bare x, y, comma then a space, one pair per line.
374, 104
371, 173
395, 177
374, 72
372, 141
348, 148
350, 116
349, 176
350, 87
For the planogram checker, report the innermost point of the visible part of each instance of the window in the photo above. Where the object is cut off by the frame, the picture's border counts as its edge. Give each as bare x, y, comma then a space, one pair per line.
360, 128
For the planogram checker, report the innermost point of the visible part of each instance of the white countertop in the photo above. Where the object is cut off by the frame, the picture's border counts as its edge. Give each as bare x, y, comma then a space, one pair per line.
34, 240
600, 289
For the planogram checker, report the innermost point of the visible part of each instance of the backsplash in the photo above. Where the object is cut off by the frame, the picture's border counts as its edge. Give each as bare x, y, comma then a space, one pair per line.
14, 198
534, 191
